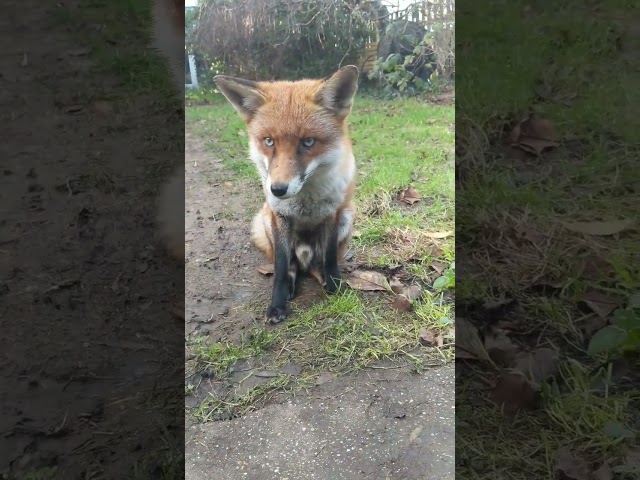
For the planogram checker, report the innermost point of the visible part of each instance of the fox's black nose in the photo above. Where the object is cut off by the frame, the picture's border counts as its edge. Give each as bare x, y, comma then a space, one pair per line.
279, 189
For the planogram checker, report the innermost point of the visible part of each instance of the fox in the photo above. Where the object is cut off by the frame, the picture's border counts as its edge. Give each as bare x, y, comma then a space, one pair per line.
168, 27
300, 143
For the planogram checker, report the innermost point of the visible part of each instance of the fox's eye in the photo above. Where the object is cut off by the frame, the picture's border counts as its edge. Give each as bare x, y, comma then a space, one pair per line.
308, 142
268, 141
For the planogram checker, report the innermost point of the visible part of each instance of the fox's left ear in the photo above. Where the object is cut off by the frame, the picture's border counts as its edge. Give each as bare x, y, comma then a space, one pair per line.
338, 90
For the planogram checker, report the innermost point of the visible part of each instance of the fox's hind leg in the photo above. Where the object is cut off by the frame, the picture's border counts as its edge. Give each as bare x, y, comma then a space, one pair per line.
261, 232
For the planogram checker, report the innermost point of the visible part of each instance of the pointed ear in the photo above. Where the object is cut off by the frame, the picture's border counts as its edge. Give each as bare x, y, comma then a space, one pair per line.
337, 91
244, 95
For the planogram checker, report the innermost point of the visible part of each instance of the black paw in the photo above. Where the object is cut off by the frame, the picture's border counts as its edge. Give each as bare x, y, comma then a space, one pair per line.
277, 314
333, 282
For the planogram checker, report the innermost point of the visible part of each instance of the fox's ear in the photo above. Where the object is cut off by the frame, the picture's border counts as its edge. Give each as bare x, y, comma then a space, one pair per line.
244, 95
338, 90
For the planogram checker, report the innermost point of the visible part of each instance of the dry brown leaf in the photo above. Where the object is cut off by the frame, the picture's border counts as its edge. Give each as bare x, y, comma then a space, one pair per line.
571, 467
535, 145
402, 304
410, 195
428, 338
534, 134
266, 269
468, 342
412, 292
438, 267
601, 303
437, 234
539, 365
514, 392
499, 346
369, 281
610, 227
396, 285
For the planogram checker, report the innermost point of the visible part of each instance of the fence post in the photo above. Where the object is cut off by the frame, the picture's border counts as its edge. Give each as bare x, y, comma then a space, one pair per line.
192, 71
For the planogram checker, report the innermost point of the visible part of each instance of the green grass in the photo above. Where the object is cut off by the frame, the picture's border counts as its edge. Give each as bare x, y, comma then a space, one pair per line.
520, 58
397, 144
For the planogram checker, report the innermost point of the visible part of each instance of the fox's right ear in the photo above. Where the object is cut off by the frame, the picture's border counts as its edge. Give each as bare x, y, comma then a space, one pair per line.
244, 95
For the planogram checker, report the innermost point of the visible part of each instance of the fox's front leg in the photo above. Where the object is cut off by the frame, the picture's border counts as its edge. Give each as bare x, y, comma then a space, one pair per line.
331, 269
281, 278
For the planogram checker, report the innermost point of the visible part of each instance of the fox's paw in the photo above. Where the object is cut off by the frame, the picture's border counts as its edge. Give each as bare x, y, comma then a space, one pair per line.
277, 314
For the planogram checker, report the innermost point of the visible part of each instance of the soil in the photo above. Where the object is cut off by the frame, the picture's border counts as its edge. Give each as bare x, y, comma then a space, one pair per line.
92, 357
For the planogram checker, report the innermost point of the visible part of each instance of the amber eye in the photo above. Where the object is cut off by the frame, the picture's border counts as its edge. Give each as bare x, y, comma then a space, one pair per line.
308, 142
268, 141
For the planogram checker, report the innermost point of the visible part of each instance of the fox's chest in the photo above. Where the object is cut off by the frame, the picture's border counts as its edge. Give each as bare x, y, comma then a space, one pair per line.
313, 204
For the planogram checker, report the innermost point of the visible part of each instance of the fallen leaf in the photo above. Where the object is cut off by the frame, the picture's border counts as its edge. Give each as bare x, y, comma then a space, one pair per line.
402, 304
242, 133
499, 346
266, 269
468, 342
610, 227
369, 281
410, 196
515, 392
396, 285
438, 267
535, 145
412, 292
533, 134
601, 303
538, 365
428, 338
437, 234
571, 466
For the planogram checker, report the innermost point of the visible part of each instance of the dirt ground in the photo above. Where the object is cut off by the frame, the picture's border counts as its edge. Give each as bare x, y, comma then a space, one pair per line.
92, 368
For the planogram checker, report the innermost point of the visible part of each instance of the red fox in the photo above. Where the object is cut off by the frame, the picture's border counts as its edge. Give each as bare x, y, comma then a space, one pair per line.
299, 140
168, 37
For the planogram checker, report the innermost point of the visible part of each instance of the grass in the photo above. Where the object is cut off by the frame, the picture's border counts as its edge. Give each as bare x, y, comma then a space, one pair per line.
511, 215
397, 144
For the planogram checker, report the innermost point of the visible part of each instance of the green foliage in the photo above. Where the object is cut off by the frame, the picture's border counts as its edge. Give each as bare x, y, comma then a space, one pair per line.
396, 72
622, 335
447, 280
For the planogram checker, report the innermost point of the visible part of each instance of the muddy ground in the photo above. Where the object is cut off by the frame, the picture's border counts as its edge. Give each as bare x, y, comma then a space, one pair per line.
91, 370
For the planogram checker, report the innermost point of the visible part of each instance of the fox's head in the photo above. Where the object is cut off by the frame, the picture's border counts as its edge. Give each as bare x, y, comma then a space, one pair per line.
294, 128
